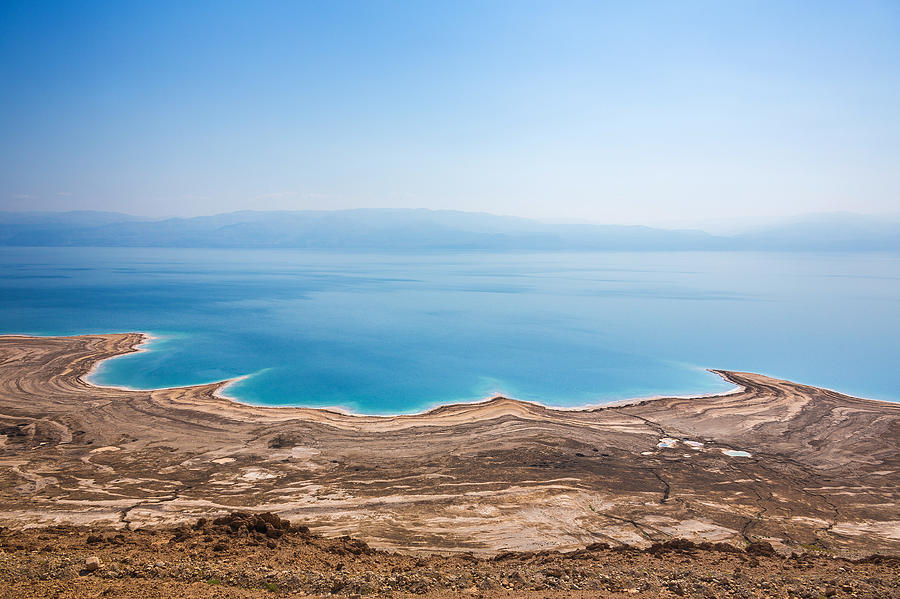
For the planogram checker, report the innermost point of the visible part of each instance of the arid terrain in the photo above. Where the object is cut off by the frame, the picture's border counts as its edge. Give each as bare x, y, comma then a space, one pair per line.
806, 470
256, 555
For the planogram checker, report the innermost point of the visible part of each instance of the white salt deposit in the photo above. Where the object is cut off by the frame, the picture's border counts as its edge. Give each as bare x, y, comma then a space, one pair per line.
735, 453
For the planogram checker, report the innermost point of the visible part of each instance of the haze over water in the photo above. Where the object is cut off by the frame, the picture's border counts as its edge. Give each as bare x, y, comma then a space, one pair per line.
399, 333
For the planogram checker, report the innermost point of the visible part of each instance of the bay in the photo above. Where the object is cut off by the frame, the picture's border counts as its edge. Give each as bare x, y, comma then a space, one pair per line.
400, 333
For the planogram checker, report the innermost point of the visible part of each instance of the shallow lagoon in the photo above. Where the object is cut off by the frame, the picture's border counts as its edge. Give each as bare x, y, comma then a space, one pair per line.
392, 333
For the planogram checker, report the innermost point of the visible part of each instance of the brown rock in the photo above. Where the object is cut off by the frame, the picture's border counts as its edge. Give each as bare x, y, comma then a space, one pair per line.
92, 563
761, 548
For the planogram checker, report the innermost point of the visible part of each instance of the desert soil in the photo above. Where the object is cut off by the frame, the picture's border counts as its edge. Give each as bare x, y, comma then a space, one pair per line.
815, 473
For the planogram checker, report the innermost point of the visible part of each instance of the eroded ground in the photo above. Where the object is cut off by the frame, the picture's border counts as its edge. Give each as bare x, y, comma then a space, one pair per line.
259, 555
822, 472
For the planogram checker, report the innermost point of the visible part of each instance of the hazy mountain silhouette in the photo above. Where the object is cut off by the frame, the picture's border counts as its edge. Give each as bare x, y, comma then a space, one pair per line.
409, 229
845, 231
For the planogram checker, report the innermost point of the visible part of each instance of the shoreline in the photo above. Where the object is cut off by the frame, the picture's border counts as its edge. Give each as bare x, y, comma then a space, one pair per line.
222, 385
496, 475
141, 347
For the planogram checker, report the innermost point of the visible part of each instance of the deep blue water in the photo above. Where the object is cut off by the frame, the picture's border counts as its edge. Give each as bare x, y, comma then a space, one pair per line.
391, 333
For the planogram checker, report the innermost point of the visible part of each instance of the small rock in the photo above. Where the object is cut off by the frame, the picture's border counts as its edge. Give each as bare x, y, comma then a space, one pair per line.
554, 572
92, 563
761, 548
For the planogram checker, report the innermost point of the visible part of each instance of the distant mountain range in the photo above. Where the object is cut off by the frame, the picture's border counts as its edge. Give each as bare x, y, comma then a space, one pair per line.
409, 229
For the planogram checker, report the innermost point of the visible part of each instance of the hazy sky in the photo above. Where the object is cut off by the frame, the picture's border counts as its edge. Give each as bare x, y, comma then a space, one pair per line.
602, 111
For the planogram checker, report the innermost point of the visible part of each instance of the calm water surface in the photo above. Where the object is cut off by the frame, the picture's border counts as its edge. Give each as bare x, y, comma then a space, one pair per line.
393, 333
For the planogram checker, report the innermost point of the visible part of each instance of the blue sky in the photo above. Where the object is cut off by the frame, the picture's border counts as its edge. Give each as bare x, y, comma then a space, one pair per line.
613, 112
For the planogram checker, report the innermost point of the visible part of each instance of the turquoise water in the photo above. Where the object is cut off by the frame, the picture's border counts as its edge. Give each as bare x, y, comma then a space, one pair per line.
394, 333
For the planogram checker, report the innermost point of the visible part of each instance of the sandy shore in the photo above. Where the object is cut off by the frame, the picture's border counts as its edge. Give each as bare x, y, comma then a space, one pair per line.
495, 475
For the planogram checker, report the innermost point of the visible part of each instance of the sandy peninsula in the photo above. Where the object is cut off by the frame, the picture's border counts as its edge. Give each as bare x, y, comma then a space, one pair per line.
788, 464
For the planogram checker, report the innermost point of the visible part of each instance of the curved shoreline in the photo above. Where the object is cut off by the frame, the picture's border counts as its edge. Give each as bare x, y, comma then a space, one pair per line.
490, 476
137, 348
222, 385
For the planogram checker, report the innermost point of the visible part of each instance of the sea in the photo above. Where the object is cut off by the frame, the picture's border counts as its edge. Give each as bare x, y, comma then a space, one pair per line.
396, 333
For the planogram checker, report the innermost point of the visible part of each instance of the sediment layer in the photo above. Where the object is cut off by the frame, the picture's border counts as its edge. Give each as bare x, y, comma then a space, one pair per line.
493, 476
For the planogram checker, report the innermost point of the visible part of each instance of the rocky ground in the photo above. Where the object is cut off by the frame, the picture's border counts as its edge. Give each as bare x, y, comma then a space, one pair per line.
255, 555
101, 490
